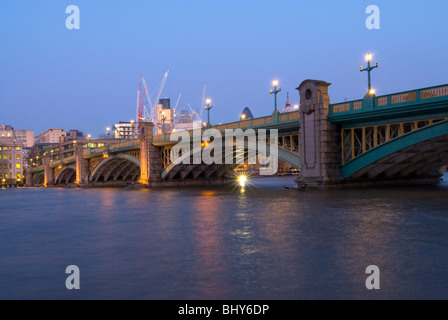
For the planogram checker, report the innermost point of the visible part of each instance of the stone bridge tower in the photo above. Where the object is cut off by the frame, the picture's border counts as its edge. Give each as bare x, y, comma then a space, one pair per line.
319, 139
150, 160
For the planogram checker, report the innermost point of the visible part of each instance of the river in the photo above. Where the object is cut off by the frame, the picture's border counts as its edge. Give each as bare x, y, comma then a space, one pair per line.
260, 242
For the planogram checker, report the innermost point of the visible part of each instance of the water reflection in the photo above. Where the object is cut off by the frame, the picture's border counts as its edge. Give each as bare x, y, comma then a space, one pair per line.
260, 242
209, 250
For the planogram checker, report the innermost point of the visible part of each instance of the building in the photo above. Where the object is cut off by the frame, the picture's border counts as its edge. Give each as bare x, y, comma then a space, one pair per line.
23, 136
288, 107
165, 116
246, 114
50, 136
74, 135
11, 161
26, 137
6, 131
124, 130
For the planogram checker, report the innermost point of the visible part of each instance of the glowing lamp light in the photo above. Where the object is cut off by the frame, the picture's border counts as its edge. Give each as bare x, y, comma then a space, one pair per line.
368, 57
242, 180
243, 116
296, 107
372, 91
208, 101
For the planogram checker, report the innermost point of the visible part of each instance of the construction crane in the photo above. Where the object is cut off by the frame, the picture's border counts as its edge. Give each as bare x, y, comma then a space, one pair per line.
201, 108
177, 103
151, 114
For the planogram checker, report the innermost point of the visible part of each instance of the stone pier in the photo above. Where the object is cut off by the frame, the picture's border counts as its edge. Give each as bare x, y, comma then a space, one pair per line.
82, 167
320, 139
48, 173
150, 161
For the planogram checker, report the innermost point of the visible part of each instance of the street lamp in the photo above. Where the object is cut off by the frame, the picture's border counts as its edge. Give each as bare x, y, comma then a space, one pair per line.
275, 91
108, 136
369, 69
208, 107
132, 131
163, 122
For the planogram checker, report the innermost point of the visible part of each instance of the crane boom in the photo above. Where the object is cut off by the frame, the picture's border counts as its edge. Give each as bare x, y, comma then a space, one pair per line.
138, 103
177, 103
201, 108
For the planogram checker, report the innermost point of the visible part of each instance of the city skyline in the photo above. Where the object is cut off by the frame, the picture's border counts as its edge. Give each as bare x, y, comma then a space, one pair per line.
87, 79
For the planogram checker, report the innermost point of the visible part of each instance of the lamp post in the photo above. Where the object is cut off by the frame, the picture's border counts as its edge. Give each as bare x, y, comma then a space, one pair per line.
208, 107
163, 123
132, 131
274, 92
108, 136
369, 69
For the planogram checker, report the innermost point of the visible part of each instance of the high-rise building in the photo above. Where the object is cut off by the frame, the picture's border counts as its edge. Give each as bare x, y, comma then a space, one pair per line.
246, 114
165, 102
163, 111
50, 136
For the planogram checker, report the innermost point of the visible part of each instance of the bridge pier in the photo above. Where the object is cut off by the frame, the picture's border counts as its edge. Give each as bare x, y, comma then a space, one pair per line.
82, 167
48, 173
319, 139
150, 159
28, 178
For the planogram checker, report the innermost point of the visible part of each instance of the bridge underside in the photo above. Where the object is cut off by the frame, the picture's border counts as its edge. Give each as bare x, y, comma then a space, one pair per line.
418, 156
116, 171
66, 176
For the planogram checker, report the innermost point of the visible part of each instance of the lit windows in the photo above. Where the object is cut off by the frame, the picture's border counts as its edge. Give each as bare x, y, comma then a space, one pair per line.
18, 166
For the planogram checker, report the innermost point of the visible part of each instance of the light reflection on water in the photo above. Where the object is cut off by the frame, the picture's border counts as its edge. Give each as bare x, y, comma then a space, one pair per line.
263, 242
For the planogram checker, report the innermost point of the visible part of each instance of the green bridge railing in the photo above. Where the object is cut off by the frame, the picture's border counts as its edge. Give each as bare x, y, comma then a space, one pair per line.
401, 99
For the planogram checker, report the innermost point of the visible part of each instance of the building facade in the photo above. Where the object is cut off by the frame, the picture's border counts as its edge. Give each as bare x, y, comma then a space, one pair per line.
125, 130
74, 135
23, 136
50, 136
11, 161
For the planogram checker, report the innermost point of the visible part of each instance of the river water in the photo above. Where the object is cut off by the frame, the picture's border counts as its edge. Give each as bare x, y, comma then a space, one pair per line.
263, 242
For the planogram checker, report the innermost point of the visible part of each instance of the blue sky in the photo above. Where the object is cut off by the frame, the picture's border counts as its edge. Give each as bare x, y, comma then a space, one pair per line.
87, 79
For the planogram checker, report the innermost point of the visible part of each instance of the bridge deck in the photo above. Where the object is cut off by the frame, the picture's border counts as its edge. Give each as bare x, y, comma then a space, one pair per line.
407, 104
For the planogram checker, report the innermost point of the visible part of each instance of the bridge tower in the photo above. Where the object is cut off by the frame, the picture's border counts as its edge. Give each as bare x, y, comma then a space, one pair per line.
320, 139
150, 159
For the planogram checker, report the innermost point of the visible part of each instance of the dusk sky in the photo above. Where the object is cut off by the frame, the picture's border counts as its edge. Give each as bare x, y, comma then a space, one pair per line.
87, 79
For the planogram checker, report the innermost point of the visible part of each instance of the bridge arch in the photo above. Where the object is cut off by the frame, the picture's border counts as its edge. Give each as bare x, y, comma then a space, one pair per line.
415, 154
66, 175
173, 169
119, 167
39, 179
